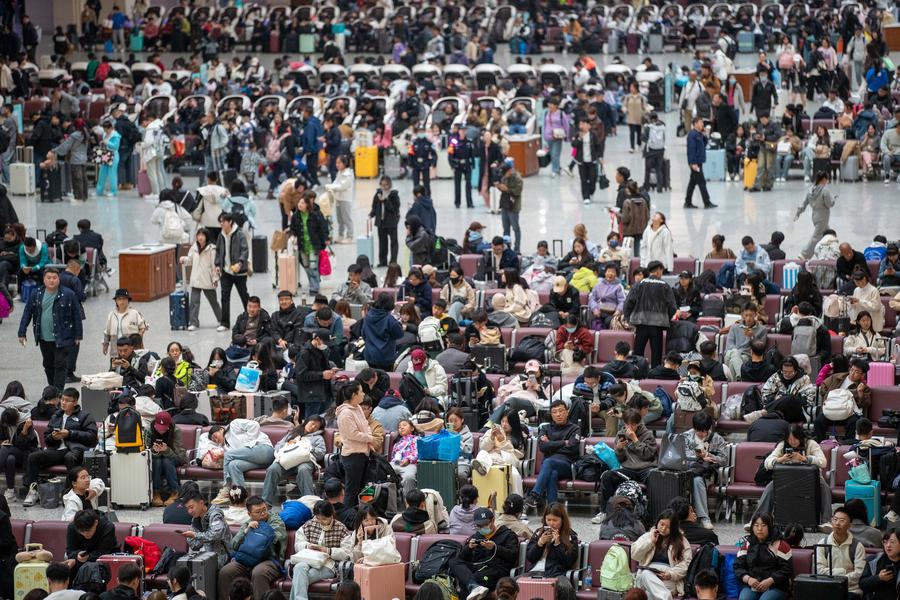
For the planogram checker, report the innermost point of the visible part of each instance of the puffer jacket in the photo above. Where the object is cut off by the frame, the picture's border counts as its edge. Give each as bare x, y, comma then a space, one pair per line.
776, 387
635, 216
435, 378
562, 440
203, 273
762, 560
650, 302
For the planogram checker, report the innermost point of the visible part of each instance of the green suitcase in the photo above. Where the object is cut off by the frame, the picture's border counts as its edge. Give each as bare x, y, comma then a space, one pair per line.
439, 476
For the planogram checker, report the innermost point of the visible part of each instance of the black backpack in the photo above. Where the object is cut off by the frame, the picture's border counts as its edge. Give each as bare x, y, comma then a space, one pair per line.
589, 468
532, 347
436, 560
751, 400
238, 214
411, 391
706, 557
4, 140
640, 364
682, 337
888, 467
379, 470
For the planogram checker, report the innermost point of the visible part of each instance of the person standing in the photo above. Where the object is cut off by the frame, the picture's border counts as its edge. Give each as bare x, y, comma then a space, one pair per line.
342, 190
649, 308
357, 439
215, 137
510, 186
75, 147
820, 201
586, 151
386, 213
635, 107
202, 258
856, 52
696, 156
763, 95
110, 171
654, 150
310, 228
231, 266
635, 215
55, 315
153, 151
422, 157
556, 130
767, 135
462, 156
689, 95
123, 321
130, 135
8, 131
313, 133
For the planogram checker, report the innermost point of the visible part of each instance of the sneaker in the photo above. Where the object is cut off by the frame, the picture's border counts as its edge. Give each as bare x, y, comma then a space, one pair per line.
599, 518
898, 178
479, 468
587, 201
568, 171
631, 150
707, 524
892, 517
825, 528
554, 175
221, 328
887, 179
192, 328
223, 497
10, 495
478, 592
32, 497
806, 179
531, 500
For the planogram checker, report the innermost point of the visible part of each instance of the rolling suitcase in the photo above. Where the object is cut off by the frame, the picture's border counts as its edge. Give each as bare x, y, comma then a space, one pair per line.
21, 179
365, 162
796, 493
881, 374
30, 575
443, 170
115, 561
655, 43
51, 185
495, 482
543, 588
746, 42
261, 404
632, 43
714, 169
143, 183
95, 402
287, 272
850, 169
749, 173
383, 582
179, 310
97, 464
129, 477
439, 476
365, 244
259, 252
870, 494
307, 43
393, 167
275, 41
821, 587
492, 358
204, 568
663, 485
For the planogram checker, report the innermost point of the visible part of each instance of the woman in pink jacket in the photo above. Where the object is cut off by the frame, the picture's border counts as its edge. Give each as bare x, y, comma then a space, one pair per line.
357, 439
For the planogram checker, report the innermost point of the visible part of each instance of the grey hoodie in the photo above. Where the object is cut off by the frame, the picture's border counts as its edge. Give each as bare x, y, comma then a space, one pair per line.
820, 200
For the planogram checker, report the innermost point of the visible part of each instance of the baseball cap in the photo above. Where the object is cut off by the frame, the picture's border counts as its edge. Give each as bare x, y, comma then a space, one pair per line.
162, 422
483, 516
686, 275
418, 358
559, 284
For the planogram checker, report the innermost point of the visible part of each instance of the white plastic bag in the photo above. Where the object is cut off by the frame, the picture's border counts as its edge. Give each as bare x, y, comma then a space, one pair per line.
380, 551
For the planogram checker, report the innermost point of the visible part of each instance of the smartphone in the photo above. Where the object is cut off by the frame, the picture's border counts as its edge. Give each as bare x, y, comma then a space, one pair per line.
179, 531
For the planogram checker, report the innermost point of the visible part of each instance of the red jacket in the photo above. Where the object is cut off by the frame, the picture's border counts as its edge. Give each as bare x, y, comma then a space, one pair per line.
582, 338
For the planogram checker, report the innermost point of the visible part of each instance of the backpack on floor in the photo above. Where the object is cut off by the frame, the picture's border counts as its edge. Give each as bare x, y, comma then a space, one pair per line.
436, 560
447, 585
751, 400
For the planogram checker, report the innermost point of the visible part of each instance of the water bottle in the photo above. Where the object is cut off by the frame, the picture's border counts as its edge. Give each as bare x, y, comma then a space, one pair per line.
589, 578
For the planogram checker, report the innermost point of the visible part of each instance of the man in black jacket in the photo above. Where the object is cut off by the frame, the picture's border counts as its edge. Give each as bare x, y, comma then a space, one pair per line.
126, 362
649, 308
757, 369
254, 323
131, 135
314, 374
725, 119
232, 254
88, 537
69, 433
129, 584
44, 137
587, 153
558, 442
87, 238
375, 383
386, 214
462, 157
769, 427
620, 367
287, 322
486, 557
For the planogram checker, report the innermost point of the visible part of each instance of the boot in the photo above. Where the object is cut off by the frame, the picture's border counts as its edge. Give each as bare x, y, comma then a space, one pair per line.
171, 499
157, 500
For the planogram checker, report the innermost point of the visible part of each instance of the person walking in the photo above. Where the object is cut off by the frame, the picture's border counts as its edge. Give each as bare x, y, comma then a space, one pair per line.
153, 151
75, 147
767, 134
341, 189
510, 186
202, 258
586, 151
696, 156
635, 107
820, 201
232, 254
635, 215
654, 137
55, 315
556, 129
386, 214
109, 171
422, 158
215, 137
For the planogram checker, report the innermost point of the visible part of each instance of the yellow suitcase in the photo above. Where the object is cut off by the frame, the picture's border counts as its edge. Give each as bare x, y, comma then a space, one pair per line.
366, 161
496, 481
749, 173
28, 576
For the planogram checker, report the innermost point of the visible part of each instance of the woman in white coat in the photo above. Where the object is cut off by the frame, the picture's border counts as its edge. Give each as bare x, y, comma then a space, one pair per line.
664, 580
866, 297
246, 447
173, 221
342, 191
83, 492
657, 243
202, 256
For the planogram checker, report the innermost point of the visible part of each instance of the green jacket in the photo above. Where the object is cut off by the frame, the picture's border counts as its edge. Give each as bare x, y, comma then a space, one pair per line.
514, 184
276, 552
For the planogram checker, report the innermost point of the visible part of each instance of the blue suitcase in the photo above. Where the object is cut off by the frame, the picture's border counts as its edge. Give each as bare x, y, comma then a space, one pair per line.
746, 42
26, 289
714, 169
475, 176
365, 244
870, 494
179, 312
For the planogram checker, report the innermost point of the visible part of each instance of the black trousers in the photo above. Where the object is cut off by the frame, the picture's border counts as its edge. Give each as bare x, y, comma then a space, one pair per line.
41, 459
652, 334
72, 357
587, 172
387, 236
229, 281
423, 177
312, 164
468, 575
610, 480
821, 426
354, 476
634, 135
54, 361
654, 163
698, 179
461, 178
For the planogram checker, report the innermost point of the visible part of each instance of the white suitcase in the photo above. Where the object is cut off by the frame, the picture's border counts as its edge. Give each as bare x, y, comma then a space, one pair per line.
443, 169
21, 179
130, 479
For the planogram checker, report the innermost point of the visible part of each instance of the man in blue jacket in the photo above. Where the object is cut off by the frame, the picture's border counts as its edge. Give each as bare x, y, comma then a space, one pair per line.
381, 331
56, 316
312, 131
696, 156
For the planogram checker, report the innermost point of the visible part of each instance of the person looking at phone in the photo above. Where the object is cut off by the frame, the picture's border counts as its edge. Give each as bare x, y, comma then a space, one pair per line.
209, 531
368, 526
88, 537
740, 336
763, 563
710, 453
706, 583
486, 557
666, 554
126, 363
879, 579
553, 549
167, 455
267, 571
636, 450
558, 442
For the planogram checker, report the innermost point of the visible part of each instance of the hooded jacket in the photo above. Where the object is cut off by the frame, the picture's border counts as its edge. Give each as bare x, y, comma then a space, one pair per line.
209, 208
635, 215
342, 186
872, 586
423, 208
386, 214
38, 259
435, 377
381, 331
102, 542
462, 520
159, 218
390, 411
640, 454
413, 520
355, 433
203, 271
238, 252
820, 201
419, 241
650, 302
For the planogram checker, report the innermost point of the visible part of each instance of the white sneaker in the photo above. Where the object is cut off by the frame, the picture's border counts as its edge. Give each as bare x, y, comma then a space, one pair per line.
892, 517
32, 497
221, 328
587, 201
192, 328
806, 179
477, 593
554, 175
568, 171
599, 518
10, 495
631, 150
707, 524
887, 179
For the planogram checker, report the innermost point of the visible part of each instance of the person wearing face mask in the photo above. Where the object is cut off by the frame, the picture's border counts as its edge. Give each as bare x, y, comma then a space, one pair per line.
386, 213
763, 95
422, 158
614, 252
734, 97
485, 558
314, 373
458, 294
574, 342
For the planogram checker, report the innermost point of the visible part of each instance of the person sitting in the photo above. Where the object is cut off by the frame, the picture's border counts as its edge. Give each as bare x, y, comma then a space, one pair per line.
869, 536
752, 257
805, 290
817, 347
511, 517
880, 576
769, 426
458, 293
84, 491
462, 515
130, 580
864, 342
500, 316
789, 391
797, 449
889, 269
164, 442
454, 358
70, 432
740, 336
354, 290
558, 443
687, 296
334, 493
429, 374
553, 549
324, 534
758, 369
669, 369
847, 557
711, 453
246, 447
417, 291
486, 557
88, 537
621, 524
607, 299
254, 323
667, 552
404, 453
862, 398
368, 526
58, 583
500, 258
309, 432
763, 563
267, 568
693, 530
636, 450
710, 363
457, 424
620, 367
127, 363
504, 444
574, 343
414, 518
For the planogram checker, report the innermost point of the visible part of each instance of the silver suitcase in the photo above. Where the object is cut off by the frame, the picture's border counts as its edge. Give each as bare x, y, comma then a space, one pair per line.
204, 567
22, 179
130, 479
262, 401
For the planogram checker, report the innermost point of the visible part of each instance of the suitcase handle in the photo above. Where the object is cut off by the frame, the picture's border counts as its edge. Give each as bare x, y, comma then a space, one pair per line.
830, 556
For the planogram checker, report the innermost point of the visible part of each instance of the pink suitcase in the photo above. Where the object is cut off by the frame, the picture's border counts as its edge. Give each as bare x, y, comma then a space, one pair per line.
384, 582
881, 374
115, 561
537, 587
287, 273
143, 184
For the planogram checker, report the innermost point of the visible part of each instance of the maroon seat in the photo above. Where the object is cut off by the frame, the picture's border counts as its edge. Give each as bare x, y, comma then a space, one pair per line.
715, 264
195, 472
19, 528
188, 436
747, 456
52, 535
802, 561
841, 474
395, 379
873, 265
165, 537
633, 264
890, 315
328, 435
377, 291
882, 399
735, 387
773, 308
777, 275
506, 334
782, 341
469, 263
607, 341
684, 263
39, 428
422, 544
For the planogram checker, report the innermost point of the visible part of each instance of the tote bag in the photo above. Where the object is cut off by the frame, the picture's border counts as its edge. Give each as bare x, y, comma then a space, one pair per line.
248, 378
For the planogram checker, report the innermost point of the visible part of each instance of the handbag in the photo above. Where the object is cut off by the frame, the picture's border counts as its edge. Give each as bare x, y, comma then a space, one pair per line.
291, 455
602, 180
607, 455
324, 263
860, 473
673, 455
248, 378
313, 558
380, 551
213, 459
279, 241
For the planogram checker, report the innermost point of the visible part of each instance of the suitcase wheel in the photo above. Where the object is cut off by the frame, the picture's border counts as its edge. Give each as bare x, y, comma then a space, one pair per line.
144, 506
113, 506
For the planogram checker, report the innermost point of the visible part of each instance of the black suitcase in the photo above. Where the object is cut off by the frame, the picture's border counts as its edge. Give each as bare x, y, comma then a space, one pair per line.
204, 568
97, 463
796, 494
51, 185
259, 250
821, 587
491, 358
662, 486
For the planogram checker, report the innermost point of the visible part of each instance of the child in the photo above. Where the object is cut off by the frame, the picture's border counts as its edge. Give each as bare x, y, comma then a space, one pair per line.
251, 161
462, 515
404, 455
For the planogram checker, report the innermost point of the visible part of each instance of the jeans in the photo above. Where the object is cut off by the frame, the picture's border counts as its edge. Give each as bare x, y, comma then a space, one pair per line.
165, 475
700, 499
517, 130
124, 171
886, 160
239, 460
305, 575
807, 155
555, 153
783, 164
387, 241
195, 305
455, 311
275, 473
610, 480
54, 361
510, 220
552, 470
156, 174
771, 594
11, 458
229, 281
310, 264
